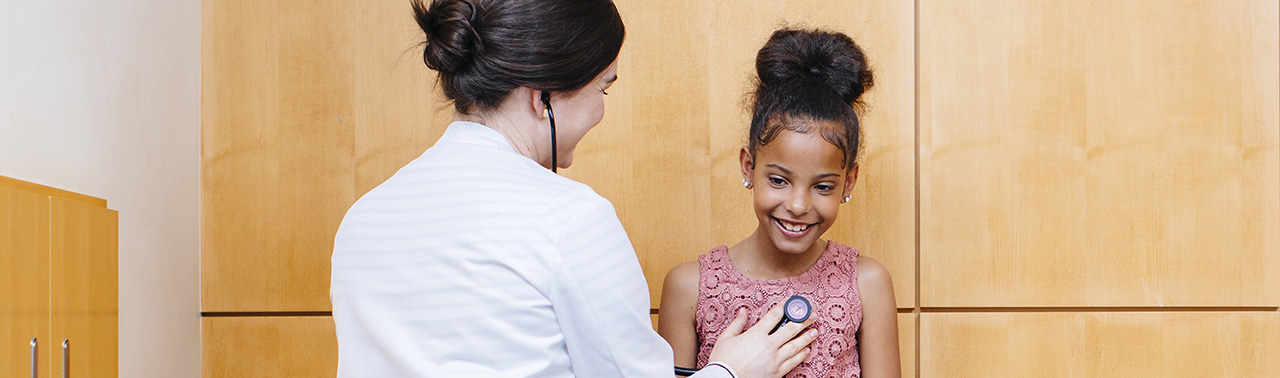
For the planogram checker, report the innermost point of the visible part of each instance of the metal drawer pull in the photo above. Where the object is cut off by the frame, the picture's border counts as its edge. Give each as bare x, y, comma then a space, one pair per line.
66, 358
35, 360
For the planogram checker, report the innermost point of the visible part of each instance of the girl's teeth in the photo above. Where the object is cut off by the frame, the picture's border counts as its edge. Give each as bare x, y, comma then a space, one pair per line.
790, 227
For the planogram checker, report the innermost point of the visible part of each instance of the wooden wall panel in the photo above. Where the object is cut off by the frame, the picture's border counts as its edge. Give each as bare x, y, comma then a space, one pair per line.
1131, 162
24, 280
399, 112
1085, 344
306, 107
907, 343
84, 290
275, 347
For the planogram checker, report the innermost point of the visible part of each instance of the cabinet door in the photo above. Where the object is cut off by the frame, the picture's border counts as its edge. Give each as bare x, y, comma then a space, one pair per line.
24, 280
84, 293
276, 347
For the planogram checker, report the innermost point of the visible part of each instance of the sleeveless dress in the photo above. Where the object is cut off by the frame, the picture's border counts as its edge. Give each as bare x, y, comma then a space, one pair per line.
830, 285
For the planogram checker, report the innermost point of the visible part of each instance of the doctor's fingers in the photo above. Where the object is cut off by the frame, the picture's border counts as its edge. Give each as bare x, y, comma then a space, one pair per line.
771, 318
797, 347
790, 330
793, 360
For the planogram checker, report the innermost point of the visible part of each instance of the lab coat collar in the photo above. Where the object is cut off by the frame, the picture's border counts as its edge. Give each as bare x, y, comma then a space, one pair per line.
474, 133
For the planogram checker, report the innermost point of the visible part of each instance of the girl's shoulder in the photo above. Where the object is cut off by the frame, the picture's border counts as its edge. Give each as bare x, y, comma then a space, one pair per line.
686, 276
872, 274
683, 276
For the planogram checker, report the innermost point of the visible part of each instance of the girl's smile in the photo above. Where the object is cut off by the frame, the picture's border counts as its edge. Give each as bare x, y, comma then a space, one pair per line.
793, 229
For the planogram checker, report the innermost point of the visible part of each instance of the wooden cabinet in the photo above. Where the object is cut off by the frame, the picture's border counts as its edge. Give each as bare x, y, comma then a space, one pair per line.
58, 282
24, 279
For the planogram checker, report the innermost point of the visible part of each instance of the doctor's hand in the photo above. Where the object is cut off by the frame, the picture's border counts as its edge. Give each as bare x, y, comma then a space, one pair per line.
757, 354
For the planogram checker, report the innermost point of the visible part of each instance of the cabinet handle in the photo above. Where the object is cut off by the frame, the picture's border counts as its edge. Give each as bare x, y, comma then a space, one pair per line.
66, 358
35, 360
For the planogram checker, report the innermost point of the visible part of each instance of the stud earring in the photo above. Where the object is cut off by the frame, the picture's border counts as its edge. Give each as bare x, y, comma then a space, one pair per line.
746, 184
846, 199
544, 113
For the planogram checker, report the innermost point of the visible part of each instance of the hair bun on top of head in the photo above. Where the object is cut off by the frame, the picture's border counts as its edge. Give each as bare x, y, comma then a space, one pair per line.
807, 57
451, 38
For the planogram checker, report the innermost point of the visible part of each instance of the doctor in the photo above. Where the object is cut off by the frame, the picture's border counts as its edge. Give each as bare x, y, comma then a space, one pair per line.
476, 259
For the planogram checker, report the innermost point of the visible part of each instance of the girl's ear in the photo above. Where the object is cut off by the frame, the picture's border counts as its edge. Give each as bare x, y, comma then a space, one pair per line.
850, 178
748, 164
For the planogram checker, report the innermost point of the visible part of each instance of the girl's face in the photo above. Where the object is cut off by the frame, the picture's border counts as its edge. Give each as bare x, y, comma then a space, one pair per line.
578, 112
799, 185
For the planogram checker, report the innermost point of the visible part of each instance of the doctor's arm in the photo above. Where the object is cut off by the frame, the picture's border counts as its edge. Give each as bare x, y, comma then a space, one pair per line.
601, 301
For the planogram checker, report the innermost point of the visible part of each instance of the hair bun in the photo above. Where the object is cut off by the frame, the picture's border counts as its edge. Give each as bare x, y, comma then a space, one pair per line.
814, 57
451, 38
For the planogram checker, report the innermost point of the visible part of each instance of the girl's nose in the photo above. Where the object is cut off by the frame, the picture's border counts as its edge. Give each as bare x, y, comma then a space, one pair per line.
798, 204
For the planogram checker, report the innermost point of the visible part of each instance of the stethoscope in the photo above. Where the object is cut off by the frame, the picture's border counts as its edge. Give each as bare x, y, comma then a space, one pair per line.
796, 310
546, 101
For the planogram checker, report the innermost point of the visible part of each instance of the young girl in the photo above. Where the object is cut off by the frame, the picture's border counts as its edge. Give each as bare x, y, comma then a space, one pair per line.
801, 163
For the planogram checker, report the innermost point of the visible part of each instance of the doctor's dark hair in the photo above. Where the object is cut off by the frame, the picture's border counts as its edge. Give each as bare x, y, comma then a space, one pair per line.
483, 49
806, 76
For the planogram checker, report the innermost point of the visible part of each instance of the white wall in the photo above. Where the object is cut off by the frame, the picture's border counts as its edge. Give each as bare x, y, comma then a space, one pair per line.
102, 97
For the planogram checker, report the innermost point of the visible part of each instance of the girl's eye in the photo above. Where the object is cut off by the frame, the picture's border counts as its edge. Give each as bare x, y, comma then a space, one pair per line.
777, 181
825, 188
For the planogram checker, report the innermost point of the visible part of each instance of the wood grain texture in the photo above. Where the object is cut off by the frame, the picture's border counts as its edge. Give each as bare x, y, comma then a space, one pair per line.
275, 347
24, 280
907, 343
307, 107
84, 288
51, 191
1136, 344
1132, 162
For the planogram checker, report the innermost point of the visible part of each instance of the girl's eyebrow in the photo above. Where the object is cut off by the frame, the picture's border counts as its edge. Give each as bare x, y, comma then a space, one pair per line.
779, 167
788, 171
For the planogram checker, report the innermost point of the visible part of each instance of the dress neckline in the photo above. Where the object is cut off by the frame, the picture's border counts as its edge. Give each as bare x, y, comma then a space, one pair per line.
802, 277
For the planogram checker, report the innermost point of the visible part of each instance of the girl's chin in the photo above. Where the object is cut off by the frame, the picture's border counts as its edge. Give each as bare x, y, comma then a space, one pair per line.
791, 246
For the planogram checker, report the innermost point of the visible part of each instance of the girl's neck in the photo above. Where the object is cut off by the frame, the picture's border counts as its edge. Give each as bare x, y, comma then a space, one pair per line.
758, 258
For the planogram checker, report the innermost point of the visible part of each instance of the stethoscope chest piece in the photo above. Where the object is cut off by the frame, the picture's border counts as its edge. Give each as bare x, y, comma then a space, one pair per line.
795, 310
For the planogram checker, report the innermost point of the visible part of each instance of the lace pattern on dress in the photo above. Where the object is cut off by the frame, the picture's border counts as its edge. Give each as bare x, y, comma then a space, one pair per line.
830, 285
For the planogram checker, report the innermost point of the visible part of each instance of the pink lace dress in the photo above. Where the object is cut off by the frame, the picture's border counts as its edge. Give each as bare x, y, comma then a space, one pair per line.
830, 285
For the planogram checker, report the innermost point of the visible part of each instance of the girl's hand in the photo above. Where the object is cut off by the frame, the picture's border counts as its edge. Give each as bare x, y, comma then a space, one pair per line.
757, 354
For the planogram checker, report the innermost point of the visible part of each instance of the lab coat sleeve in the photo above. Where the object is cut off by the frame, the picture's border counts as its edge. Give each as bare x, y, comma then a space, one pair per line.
601, 300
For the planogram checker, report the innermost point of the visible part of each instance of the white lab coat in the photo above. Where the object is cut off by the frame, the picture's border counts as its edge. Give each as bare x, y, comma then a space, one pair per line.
475, 261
